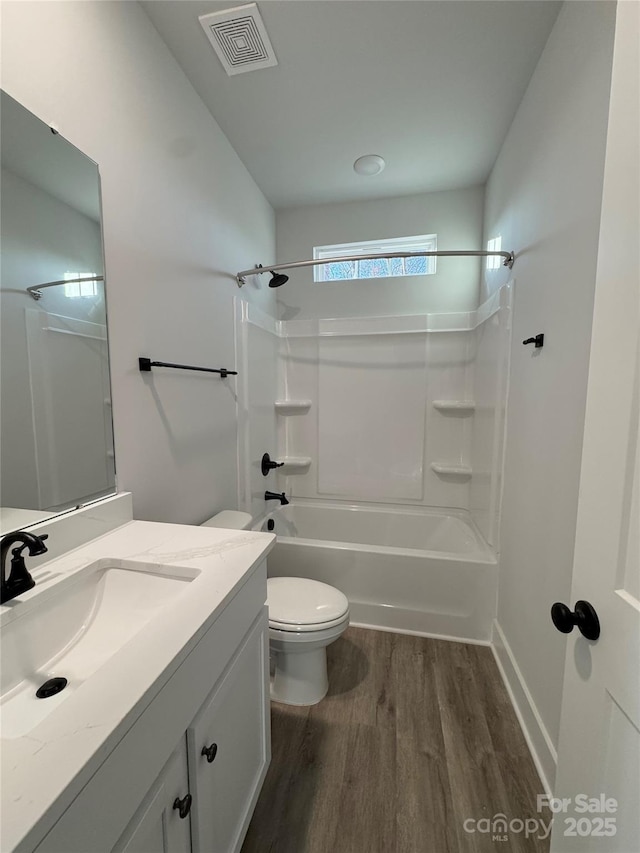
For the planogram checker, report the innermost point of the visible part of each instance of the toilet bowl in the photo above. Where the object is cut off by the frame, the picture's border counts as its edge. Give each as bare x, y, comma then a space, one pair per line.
305, 616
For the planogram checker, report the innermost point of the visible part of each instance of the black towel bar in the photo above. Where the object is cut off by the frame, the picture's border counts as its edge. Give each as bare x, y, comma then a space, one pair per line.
145, 364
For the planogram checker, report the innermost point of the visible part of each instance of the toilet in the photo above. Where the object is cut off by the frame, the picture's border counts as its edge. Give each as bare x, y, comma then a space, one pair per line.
305, 616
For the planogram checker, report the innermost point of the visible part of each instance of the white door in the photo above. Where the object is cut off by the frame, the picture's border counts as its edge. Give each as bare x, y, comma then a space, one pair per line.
599, 747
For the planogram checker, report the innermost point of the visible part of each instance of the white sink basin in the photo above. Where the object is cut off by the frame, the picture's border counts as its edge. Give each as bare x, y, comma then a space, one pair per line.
73, 627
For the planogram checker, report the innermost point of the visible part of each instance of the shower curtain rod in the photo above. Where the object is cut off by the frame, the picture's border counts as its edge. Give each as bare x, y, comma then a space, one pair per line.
259, 269
34, 290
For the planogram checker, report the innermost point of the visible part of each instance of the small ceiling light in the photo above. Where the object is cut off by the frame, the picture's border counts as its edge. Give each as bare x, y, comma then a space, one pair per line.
370, 164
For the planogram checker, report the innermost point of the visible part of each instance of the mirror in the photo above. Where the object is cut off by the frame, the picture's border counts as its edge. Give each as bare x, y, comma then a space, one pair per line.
56, 433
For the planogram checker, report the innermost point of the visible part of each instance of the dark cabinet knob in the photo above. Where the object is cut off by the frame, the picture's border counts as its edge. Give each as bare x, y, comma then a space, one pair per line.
584, 616
210, 752
183, 805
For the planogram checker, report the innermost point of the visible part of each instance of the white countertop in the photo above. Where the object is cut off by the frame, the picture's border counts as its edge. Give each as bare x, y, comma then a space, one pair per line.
43, 772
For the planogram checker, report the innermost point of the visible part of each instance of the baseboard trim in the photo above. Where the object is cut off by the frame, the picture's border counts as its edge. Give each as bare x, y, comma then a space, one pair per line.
540, 745
370, 626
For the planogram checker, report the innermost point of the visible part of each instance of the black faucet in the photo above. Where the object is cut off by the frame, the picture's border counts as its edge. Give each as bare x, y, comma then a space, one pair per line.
18, 580
274, 496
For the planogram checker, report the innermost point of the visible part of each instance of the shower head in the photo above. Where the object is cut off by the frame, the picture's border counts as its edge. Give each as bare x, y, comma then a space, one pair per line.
278, 279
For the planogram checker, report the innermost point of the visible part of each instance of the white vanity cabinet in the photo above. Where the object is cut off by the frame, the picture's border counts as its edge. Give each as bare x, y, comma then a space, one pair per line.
205, 795
158, 824
227, 748
217, 695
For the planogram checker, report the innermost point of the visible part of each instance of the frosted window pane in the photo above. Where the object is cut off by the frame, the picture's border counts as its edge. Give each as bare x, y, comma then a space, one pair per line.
416, 266
373, 269
341, 270
338, 271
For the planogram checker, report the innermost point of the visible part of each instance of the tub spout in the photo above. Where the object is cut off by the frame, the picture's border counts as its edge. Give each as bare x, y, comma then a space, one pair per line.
274, 496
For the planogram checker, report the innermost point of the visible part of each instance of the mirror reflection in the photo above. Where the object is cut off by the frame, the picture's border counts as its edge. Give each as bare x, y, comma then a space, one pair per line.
55, 402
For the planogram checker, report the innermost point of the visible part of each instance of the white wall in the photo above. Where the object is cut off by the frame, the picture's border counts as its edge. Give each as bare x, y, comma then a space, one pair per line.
42, 239
455, 216
544, 197
181, 216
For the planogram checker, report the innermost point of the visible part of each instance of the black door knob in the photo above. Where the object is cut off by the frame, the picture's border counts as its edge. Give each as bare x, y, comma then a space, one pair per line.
210, 752
584, 616
183, 805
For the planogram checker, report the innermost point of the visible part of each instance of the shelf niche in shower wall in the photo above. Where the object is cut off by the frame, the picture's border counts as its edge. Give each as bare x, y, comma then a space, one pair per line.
294, 464
455, 405
450, 469
292, 407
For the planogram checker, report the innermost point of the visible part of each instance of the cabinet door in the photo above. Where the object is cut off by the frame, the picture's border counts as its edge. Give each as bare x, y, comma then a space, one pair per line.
229, 748
157, 826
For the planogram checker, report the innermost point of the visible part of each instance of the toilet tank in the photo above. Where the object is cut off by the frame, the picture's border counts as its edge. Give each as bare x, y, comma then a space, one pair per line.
230, 519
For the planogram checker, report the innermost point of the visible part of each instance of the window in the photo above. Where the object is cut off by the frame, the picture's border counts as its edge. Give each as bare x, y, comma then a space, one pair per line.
494, 245
379, 268
75, 289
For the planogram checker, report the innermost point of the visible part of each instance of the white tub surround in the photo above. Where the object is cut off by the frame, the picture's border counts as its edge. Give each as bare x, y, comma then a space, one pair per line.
292, 407
404, 569
295, 464
152, 687
257, 364
404, 409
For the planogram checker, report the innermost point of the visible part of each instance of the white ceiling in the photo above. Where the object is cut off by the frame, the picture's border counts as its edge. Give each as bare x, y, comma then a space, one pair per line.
431, 86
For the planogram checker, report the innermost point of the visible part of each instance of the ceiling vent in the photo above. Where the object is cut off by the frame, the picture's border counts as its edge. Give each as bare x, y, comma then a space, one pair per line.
240, 39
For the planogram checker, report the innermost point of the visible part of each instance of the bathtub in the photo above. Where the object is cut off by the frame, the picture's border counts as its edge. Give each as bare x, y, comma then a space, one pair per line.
406, 569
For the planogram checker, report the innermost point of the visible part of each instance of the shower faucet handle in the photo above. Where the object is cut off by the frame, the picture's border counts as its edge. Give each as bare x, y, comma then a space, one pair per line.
267, 464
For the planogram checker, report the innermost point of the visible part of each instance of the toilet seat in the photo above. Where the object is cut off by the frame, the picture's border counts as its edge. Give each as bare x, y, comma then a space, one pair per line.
300, 605
288, 627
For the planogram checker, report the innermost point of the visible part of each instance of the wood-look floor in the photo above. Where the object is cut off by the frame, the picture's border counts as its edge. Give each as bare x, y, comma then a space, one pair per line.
415, 736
